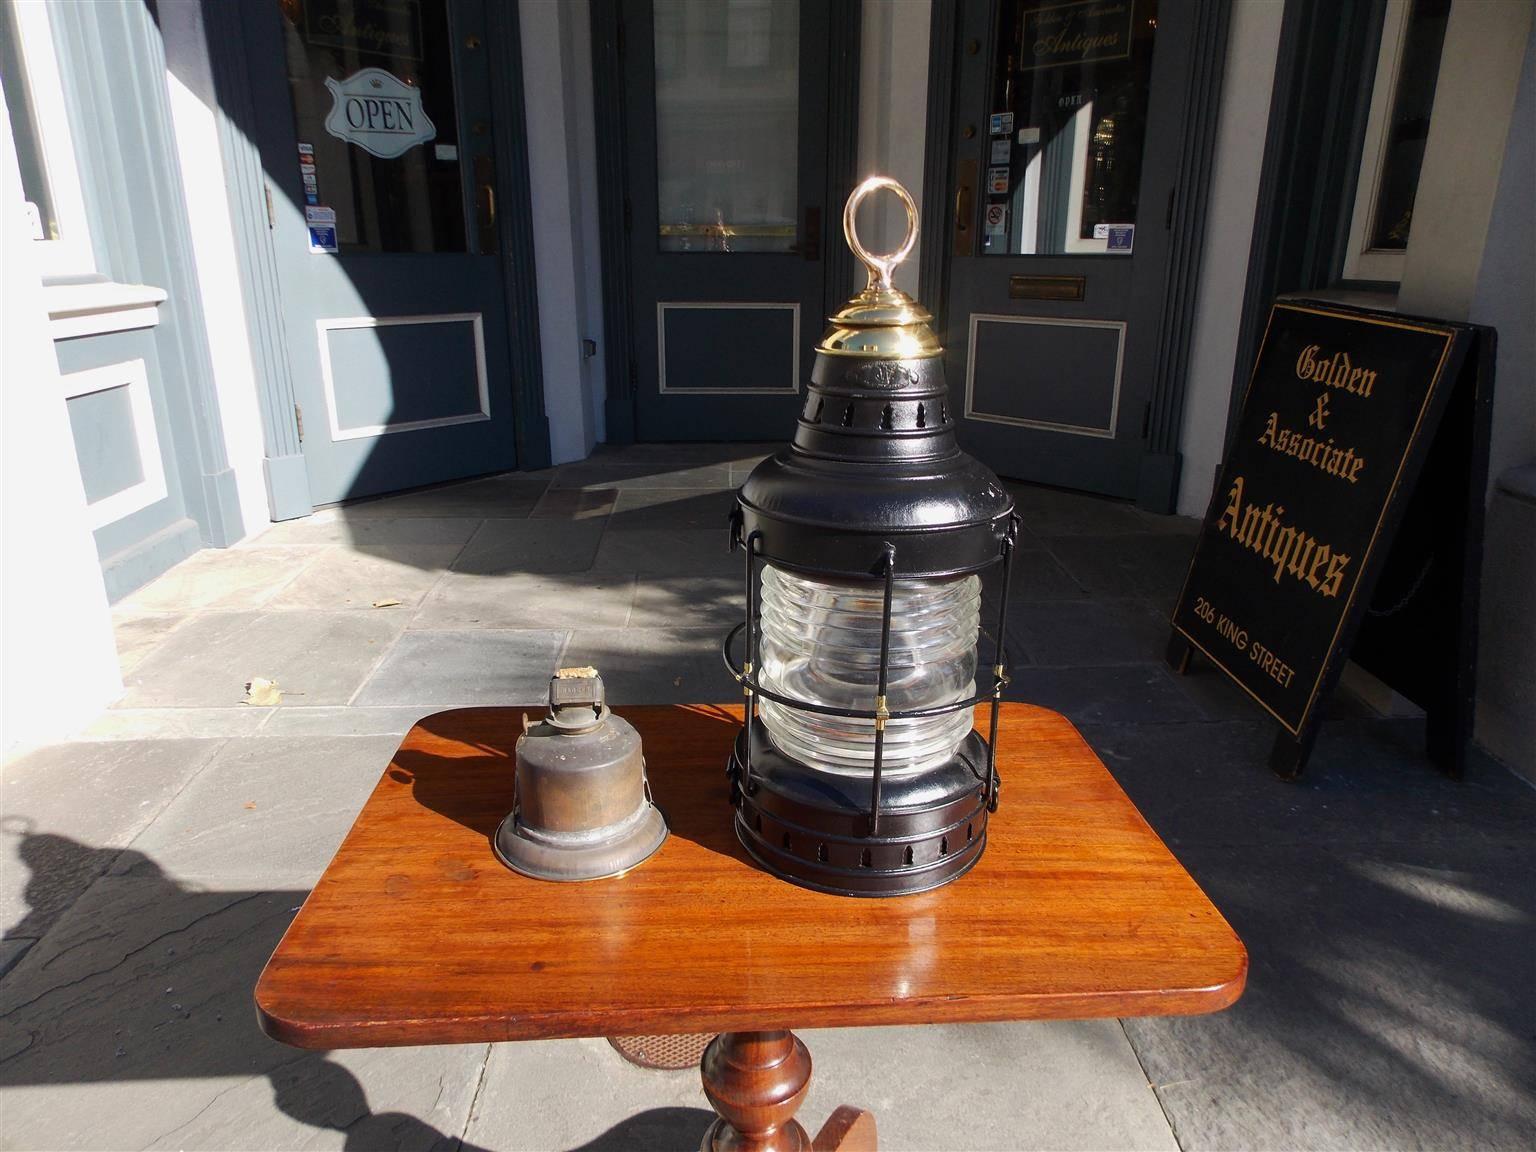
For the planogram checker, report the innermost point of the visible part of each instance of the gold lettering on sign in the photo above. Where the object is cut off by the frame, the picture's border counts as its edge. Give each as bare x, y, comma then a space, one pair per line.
1336, 371
1290, 550
1321, 454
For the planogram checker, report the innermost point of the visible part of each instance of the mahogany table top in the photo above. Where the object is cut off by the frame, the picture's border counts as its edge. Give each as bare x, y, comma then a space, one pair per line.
416, 934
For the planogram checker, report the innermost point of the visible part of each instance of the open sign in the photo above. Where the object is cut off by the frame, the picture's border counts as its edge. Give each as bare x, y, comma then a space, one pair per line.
378, 112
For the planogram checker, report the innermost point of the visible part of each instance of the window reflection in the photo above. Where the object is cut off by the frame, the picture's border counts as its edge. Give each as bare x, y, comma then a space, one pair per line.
1408, 127
727, 124
1067, 127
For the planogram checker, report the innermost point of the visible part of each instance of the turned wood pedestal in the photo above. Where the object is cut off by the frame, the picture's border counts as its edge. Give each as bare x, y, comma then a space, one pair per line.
416, 934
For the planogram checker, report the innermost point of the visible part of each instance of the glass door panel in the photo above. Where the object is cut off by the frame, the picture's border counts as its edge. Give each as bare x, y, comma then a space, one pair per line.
375, 114
1068, 126
727, 125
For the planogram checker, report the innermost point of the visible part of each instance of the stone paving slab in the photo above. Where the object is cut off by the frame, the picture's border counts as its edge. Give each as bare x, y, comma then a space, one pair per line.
176, 723
1389, 1002
693, 601
1366, 784
264, 811
1135, 694
510, 494
672, 508
230, 578
528, 600
340, 526
628, 474
70, 808
138, 632
465, 667
131, 1026
655, 665
316, 657
1150, 566
1098, 632
359, 576
668, 552
505, 546
1010, 1086
344, 721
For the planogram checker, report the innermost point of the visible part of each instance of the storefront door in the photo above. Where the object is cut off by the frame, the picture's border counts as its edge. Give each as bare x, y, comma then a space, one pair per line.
1067, 135
374, 124
726, 134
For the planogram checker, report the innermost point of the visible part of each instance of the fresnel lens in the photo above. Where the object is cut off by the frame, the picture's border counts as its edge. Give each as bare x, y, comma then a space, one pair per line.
858, 770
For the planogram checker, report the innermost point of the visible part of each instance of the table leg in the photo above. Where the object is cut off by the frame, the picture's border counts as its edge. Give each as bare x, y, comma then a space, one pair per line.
756, 1082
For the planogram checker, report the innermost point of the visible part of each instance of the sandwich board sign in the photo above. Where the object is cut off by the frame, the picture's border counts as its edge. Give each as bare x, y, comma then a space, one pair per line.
1345, 409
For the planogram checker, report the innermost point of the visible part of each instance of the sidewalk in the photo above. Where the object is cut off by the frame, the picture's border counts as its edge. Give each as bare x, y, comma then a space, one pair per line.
151, 865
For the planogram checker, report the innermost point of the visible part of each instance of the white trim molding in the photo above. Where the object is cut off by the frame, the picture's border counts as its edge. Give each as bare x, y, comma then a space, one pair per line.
132, 375
72, 253
327, 324
971, 411
662, 306
1362, 262
95, 307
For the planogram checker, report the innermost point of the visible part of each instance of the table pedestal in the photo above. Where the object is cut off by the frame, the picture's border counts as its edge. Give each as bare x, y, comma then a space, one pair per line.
756, 1081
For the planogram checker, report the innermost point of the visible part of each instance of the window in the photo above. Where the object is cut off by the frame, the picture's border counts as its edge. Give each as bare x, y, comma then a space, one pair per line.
1397, 128
34, 98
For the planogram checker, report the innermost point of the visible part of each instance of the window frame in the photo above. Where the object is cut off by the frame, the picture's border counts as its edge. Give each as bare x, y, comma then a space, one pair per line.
73, 254
1360, 261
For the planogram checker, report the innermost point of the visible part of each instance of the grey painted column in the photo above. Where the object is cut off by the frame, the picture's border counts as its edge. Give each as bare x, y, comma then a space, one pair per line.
219, 35
113, 61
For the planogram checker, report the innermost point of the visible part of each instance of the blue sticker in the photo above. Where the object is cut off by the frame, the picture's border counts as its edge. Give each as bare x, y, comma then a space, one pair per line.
322, 239
311, 198
1121, 237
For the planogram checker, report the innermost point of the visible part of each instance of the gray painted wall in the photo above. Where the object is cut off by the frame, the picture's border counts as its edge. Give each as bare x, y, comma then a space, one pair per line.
1506, 298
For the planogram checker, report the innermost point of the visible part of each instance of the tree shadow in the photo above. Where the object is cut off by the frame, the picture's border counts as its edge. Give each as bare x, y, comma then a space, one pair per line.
149, 979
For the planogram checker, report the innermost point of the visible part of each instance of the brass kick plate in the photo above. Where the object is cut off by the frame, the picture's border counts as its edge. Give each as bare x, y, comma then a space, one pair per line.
1046, 287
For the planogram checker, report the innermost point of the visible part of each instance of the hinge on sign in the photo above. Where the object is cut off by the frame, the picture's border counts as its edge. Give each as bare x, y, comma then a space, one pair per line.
271, 215
298, 419
1146, 420
629, 216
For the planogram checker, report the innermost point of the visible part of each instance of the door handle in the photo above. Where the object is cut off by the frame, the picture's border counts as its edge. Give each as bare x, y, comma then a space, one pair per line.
964, 200
965, 209
485, 201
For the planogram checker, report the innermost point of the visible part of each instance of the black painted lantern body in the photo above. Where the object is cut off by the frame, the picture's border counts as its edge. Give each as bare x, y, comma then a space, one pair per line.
858, 770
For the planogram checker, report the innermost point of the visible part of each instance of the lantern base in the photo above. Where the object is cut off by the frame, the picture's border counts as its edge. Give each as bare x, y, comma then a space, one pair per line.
813, 828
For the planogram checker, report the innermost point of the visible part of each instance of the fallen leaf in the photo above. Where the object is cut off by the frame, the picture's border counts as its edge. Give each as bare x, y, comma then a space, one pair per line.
677, 681
263, 693
250, 803
385, 603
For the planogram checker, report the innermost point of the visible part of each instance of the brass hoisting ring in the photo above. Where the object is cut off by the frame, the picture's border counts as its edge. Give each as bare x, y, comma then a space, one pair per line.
880, 266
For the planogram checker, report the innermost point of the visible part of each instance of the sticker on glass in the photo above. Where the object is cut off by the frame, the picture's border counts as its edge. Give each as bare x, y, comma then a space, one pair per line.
322, 238
997, 181
997, 219
320, 215
307, 151
1000, 123
1002, 151
1029, 135
1121, 237
378, 112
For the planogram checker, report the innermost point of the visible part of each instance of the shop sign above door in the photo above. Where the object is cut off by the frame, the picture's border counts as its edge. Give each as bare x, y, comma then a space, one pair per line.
378, 112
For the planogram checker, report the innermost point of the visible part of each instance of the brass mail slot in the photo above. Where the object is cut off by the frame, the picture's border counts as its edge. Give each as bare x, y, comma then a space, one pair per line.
1046, 287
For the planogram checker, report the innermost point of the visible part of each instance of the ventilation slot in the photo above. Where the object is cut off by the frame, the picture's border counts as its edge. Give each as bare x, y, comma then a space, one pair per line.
970, 833
943, 412
816, 415
943, 845
757, 822
886, 417
907, 856
864, 859
922, 416
821, 853
786, 842
848, 416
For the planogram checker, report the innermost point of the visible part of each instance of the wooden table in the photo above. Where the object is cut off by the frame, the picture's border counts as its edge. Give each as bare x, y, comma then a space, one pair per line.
416, 934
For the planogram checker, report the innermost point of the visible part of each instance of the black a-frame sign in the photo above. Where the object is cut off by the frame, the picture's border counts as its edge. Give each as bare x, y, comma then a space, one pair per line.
1347, 522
